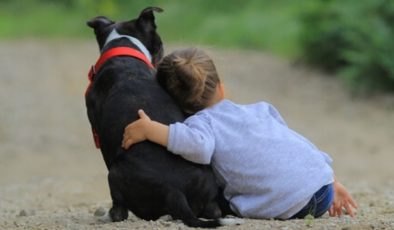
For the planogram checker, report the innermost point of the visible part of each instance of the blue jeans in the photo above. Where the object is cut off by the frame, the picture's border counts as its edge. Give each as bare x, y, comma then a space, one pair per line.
319, 203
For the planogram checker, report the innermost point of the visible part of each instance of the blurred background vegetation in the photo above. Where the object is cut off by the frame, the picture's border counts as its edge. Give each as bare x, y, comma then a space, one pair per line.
352, 39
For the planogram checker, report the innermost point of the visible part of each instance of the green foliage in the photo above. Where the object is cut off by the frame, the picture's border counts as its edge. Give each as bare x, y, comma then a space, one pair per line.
309, 220
253, 24
354, 39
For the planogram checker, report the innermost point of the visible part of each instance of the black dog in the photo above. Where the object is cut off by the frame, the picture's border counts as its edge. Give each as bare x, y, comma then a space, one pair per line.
146, 179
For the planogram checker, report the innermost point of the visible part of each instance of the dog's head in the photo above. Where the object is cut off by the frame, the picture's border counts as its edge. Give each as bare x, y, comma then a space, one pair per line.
142, 28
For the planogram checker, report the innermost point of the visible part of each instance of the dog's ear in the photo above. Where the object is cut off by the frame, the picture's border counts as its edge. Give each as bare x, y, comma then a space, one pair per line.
99, 22
147, 19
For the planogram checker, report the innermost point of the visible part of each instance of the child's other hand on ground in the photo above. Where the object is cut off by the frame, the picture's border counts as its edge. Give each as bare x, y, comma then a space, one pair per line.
342, 200
136, 132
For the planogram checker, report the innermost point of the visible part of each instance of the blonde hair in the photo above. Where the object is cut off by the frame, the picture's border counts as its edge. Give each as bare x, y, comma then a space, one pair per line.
190, 77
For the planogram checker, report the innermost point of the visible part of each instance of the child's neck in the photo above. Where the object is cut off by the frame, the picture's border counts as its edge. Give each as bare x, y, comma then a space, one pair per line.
215, 101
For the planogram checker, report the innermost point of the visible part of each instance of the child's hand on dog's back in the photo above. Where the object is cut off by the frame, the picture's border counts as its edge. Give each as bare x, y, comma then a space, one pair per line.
145, 129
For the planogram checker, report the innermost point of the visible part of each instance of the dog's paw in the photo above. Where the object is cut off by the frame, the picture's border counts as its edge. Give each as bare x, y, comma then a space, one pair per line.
118, 213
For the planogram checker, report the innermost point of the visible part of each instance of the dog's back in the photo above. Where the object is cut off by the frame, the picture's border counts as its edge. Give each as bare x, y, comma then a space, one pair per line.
145, 179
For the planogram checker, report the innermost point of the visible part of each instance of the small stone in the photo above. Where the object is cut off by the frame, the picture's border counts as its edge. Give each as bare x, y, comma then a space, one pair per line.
166, 218
25, 212
100, 211
165, 223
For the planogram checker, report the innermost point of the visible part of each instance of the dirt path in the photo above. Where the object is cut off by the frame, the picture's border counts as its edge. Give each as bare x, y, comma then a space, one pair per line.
52, 177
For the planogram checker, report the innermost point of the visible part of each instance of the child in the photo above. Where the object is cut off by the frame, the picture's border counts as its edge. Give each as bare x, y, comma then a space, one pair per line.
266, 169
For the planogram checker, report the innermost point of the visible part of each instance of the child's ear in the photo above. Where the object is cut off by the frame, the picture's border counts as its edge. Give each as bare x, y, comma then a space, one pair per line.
221, 90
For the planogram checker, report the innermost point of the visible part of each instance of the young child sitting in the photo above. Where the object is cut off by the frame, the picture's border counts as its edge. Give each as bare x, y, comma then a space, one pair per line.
266, 169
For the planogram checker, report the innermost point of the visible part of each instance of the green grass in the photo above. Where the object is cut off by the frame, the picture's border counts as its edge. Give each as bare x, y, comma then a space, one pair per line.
256, 24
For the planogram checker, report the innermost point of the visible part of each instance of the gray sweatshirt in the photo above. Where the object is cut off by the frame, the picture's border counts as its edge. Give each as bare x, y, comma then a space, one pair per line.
267, 170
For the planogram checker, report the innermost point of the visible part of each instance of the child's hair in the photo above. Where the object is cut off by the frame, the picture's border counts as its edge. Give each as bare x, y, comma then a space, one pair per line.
190, 77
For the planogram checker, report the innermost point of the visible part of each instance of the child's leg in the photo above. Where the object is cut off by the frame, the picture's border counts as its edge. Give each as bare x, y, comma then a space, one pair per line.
325, 200
319, 203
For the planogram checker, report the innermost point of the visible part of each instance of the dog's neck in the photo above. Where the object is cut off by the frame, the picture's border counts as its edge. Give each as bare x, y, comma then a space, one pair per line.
115, 35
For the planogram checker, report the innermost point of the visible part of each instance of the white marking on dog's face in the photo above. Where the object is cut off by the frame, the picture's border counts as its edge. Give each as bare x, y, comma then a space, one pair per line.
115, 35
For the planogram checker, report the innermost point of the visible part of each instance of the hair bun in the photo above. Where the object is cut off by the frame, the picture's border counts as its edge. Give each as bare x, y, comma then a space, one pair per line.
190, 77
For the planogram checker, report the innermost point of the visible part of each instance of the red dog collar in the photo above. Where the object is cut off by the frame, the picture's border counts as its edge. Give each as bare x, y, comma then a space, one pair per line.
114, 52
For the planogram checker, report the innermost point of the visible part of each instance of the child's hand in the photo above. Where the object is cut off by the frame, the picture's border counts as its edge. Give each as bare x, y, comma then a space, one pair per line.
342, 199
136, 131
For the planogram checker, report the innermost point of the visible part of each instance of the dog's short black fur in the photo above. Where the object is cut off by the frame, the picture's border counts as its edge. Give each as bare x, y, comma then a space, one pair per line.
146, 179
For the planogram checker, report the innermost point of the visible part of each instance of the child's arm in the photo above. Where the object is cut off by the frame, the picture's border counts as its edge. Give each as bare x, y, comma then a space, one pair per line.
145, 129
342, 199
194, 142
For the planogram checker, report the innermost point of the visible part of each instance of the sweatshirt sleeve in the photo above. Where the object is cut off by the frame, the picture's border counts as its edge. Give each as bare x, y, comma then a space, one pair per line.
193, 140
